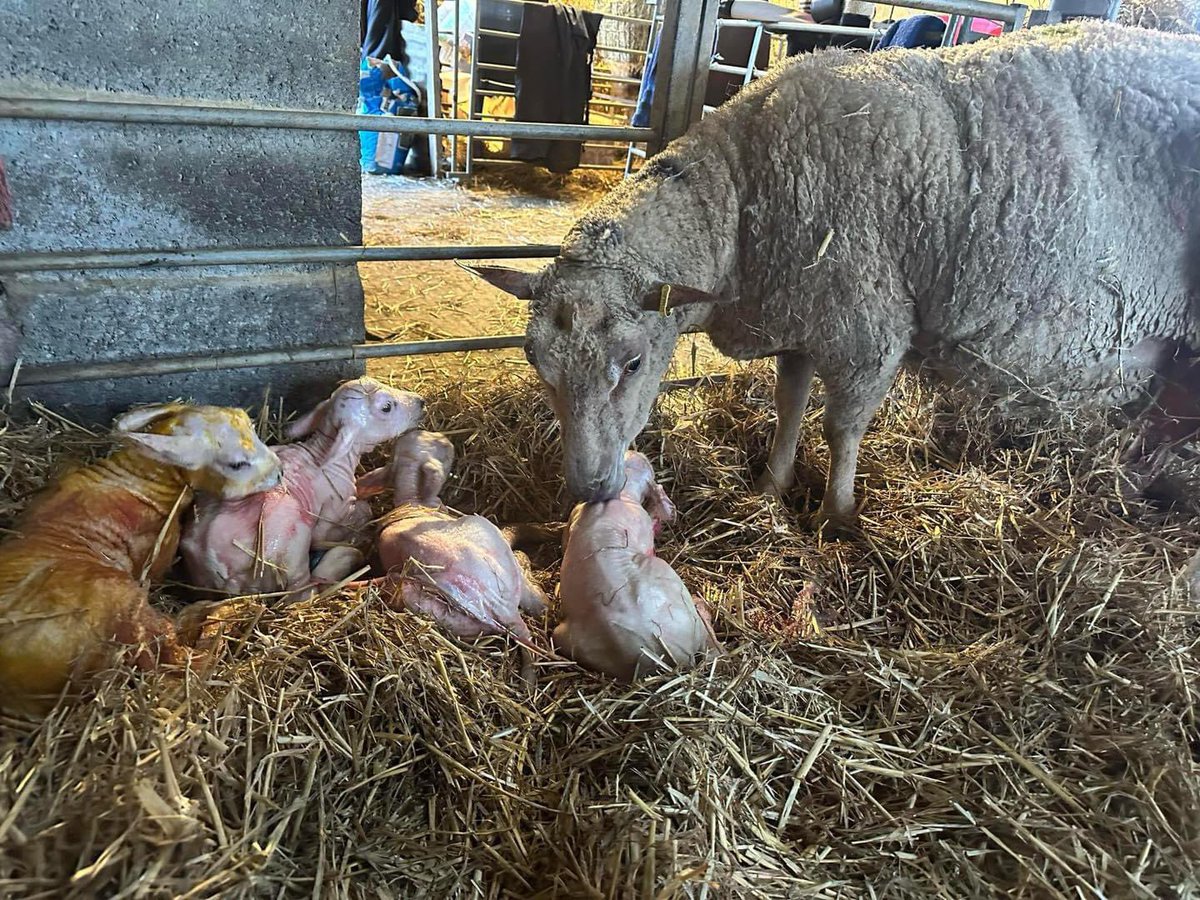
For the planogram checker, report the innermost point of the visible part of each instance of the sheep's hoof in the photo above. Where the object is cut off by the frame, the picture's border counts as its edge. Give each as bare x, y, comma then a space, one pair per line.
835, 525
768, 486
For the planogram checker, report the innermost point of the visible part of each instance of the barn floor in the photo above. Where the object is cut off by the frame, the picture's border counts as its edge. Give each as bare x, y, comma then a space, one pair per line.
424, 300
987, 692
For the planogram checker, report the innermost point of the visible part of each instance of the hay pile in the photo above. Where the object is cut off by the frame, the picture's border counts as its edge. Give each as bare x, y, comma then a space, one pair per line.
1175, 16
990, 693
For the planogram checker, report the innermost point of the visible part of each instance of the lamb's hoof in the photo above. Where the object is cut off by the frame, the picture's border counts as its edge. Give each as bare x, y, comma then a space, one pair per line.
195, 618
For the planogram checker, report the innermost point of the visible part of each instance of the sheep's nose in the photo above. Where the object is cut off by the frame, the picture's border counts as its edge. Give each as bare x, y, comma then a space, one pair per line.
600, 490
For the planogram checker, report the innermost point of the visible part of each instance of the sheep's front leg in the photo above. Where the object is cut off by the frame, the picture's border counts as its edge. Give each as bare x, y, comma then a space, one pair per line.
852, 397
793, 382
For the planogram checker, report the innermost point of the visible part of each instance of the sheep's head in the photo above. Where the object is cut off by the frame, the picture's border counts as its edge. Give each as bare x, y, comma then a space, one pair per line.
601, 340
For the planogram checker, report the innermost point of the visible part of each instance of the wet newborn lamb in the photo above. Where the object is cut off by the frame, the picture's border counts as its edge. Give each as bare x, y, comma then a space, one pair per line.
460, 571
625, 611
262, 544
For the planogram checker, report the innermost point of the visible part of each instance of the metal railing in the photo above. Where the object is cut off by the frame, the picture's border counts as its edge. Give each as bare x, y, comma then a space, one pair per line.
45, 260
134, 111
121, 110
177, 365
686, 42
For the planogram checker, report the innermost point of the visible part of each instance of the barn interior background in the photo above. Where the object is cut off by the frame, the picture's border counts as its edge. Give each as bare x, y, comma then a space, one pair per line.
991, 694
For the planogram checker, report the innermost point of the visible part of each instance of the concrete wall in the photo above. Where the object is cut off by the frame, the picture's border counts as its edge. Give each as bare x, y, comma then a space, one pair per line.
112, 186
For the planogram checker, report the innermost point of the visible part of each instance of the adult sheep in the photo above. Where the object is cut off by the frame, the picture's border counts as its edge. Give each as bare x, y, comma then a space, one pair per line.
1023, 212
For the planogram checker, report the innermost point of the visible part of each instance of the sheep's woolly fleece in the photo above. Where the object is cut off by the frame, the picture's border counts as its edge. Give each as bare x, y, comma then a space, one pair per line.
823, 202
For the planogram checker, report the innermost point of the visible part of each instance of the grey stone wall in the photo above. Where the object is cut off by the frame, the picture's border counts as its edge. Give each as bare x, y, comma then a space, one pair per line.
94, 185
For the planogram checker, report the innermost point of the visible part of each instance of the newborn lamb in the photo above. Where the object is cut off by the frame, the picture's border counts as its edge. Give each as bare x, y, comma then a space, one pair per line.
459, 570
625, 611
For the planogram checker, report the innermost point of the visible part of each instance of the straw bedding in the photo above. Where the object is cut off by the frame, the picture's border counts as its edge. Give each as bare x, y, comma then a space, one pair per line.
987, 693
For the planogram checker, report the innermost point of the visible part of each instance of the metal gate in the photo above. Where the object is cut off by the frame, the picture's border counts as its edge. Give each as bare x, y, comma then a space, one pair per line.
684, 56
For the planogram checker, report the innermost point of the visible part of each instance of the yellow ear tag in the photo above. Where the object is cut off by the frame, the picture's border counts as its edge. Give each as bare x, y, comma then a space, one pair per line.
664, 297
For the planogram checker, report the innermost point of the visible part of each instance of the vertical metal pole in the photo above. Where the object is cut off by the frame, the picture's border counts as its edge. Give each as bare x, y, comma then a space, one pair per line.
752, 64
454, 85
433, 84
472, 93
655, 26
706, 42
684, 53
948, 33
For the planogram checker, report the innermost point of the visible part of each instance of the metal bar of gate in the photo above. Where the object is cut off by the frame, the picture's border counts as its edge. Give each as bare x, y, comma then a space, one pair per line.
37, 261
802, 27
685, 50
99, 371
179, 365
433, 86
141, 112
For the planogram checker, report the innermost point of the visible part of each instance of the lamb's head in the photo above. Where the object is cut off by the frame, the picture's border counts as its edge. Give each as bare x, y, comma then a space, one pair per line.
601, 338
359, 416
642, 488
215, 447
421, 463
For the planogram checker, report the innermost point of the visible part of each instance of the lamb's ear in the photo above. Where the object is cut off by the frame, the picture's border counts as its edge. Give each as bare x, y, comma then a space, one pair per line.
663, 298
373, 483
307, 424
137, 419
511, 281
182, 450
432, 478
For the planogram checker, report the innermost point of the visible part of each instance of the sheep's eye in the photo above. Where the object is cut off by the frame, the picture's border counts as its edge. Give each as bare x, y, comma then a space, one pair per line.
529, 354
633, 365
387, 407
238, 466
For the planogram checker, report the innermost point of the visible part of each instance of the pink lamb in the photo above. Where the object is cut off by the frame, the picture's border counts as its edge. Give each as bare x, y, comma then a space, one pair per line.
625, 611
263, 543
460, 571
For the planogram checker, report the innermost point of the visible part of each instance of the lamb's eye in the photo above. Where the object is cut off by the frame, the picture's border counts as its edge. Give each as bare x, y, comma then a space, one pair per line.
238, 466
387, 407
633, 365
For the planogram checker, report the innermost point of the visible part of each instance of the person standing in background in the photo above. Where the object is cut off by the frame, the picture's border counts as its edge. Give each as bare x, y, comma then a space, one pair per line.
381, 35
379, 29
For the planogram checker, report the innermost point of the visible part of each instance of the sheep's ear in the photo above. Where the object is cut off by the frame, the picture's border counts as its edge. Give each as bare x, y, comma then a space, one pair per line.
511, 281
665, 297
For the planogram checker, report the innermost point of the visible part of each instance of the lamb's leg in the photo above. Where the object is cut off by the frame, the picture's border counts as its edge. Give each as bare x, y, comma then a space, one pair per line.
793, 382
351, 529
533, 598
852, 397
337, 563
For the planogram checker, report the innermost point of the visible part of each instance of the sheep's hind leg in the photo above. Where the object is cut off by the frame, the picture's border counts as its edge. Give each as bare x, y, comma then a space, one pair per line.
793, 382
